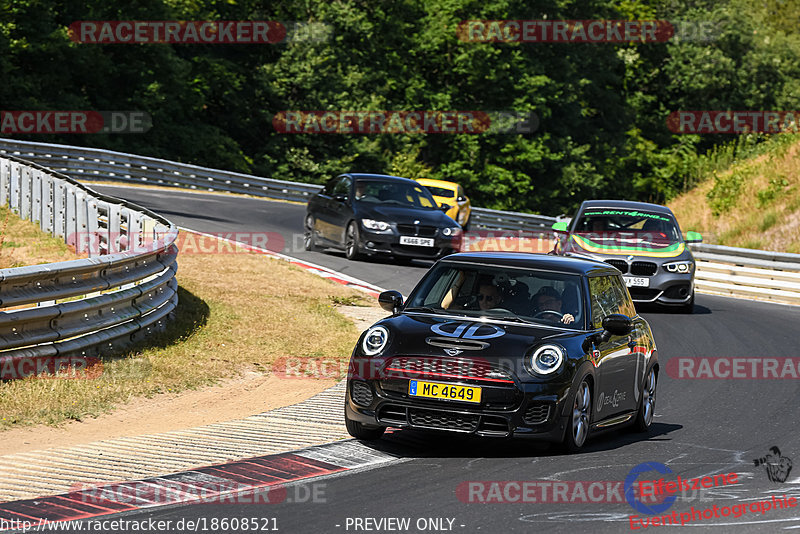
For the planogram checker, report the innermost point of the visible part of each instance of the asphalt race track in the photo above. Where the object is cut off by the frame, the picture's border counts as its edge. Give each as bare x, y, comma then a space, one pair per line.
702, 426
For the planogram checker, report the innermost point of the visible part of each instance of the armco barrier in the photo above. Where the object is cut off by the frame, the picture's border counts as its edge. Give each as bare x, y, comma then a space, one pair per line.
721, 270
96, 164
127, 284
742, 272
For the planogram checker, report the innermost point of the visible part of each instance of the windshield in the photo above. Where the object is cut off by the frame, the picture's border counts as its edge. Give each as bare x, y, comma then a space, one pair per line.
441, 191
511, 294
617, 227
398, 193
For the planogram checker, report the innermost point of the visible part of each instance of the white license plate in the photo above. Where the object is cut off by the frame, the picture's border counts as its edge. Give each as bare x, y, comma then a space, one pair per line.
631, 281
416, 241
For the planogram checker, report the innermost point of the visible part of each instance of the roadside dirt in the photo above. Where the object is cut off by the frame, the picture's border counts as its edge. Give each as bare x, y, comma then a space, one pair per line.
232, 399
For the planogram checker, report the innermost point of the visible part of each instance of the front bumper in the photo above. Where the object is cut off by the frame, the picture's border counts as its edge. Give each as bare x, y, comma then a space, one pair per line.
664, 287
388, 243
522, 410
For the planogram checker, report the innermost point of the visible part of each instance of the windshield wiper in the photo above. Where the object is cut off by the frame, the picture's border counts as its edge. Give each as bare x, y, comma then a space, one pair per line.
512, 318
422, 309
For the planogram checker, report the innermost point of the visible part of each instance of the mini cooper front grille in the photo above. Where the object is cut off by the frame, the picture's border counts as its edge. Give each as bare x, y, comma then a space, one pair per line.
361, 393
536, 414
413, 229
443, 420
644, 268
413, 367
622, 265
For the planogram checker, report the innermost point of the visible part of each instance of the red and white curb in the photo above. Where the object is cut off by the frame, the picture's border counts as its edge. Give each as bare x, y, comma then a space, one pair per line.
260, 480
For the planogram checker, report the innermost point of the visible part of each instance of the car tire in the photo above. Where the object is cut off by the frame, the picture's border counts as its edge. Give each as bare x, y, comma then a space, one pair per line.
647, 404
465, 226
352, 242
580, 418
361, 431
309, 239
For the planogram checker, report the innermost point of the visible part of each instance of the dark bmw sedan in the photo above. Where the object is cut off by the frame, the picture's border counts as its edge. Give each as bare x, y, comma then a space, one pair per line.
506, 344
375, 214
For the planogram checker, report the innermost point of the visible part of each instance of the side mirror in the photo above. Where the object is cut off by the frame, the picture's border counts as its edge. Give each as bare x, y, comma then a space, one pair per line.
461, 199
391, 301
693, 237
340, 197
618, 324
445, 207
560, 226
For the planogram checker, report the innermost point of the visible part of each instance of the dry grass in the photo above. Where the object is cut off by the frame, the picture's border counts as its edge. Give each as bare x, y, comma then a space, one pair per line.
237, 313
754, 204
23, 243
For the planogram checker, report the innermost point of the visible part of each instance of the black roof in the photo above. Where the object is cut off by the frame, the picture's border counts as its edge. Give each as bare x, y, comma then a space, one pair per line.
625, 204
529, 260
382, 177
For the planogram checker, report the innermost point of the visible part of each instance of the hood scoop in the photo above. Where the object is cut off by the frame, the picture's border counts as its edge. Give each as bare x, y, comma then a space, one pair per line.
456, 343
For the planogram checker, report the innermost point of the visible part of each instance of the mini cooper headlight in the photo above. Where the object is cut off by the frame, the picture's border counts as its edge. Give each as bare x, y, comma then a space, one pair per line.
547, 359
451, 231
372, 224
679, 267
375, 340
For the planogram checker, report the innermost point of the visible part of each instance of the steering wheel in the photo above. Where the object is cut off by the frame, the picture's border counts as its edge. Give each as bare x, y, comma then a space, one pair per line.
548, 312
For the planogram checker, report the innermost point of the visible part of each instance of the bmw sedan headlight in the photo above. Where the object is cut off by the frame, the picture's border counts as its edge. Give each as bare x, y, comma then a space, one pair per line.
378, 226
679, 267
546, 359
375, 340
451, 231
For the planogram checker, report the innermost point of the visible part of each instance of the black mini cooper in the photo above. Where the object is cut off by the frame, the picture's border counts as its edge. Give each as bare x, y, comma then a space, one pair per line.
506, 344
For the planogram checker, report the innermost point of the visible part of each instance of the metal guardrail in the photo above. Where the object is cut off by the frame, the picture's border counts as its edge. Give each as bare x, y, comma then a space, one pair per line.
127, 283
95, 164
742, 272
715, 263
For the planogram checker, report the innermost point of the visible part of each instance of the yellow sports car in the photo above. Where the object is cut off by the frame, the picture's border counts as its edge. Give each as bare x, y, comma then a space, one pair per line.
450, 194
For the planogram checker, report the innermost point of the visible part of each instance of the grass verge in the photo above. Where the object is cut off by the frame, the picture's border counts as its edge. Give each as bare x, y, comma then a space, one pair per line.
23, 243
238, 312
755, 203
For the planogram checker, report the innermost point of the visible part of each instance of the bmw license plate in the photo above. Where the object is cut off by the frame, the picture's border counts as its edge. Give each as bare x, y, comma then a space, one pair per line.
436, 390
632, 281
416, 241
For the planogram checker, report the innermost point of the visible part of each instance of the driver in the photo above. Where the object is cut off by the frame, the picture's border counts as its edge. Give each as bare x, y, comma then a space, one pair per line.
489, 296
548, 299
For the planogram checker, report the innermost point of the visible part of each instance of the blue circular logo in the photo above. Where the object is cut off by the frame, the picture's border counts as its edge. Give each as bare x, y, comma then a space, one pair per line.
630, 484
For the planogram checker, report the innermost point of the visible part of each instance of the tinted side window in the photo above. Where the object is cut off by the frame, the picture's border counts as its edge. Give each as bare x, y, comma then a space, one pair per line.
605, 298
342, 187
328, 189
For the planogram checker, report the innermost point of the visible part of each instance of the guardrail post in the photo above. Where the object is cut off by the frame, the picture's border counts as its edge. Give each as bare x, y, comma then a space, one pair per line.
82, 236
59, 208
93, 227
46, 203
14, 183
5, 181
